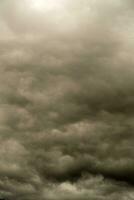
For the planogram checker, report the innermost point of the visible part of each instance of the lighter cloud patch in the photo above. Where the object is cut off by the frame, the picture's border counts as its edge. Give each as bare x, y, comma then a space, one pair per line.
47, 5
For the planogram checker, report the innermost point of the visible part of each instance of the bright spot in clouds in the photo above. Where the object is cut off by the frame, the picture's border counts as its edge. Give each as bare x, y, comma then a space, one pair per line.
46, 5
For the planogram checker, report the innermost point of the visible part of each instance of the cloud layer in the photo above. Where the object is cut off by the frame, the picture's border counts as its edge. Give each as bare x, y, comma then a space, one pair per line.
66, 100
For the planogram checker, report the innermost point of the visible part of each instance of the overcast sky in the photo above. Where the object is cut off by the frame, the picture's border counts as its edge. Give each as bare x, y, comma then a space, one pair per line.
67, 99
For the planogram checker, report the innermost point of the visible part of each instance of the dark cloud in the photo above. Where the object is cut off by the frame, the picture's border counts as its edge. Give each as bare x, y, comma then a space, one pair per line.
66, 100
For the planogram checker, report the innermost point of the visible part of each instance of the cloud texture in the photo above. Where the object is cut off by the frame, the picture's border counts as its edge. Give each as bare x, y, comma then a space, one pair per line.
66, 100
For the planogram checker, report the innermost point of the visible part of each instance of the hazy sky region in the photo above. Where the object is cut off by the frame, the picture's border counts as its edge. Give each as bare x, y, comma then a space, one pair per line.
67, 99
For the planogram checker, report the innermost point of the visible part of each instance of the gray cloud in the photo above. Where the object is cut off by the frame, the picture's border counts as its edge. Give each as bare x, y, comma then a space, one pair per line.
66, 106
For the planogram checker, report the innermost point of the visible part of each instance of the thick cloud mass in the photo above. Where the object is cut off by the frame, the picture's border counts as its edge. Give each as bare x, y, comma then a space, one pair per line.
66, 100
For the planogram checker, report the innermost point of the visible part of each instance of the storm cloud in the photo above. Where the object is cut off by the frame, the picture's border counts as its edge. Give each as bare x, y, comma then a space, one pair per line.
66, 100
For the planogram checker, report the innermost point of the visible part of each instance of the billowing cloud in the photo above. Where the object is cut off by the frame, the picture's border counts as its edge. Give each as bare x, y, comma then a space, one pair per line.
66, 100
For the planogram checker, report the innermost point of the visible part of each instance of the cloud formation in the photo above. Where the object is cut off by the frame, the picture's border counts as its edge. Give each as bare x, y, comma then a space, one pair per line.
66, 100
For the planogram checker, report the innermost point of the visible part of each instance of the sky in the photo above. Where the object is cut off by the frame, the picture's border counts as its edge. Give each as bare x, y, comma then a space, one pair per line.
66, 99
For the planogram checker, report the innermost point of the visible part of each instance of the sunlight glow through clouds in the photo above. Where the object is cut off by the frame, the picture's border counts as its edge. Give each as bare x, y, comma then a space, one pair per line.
46, 5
